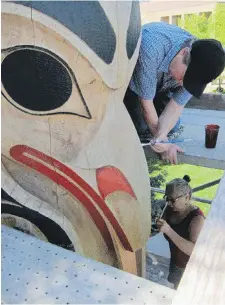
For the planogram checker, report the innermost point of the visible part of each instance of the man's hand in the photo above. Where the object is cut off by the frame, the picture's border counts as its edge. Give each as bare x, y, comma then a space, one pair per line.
160, 147
168, 151
163, 226
171, 154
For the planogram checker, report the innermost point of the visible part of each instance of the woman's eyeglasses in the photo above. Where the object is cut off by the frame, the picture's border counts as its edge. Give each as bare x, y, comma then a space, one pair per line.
172, 200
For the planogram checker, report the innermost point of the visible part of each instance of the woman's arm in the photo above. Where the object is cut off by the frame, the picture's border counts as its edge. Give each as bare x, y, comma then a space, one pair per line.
195, 227
183, 244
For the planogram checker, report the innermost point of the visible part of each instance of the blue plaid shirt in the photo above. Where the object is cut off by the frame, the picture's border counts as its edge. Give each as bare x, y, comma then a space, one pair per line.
160, 43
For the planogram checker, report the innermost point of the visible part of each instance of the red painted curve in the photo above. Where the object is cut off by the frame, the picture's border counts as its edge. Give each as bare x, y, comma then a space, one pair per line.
17, 152
110, 179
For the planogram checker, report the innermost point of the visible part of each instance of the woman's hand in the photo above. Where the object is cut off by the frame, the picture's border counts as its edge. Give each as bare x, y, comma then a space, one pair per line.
163, 226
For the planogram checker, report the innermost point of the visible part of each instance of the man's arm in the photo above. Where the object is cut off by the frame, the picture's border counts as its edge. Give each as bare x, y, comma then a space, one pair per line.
172, 112
161, 126
168, 118
150, 115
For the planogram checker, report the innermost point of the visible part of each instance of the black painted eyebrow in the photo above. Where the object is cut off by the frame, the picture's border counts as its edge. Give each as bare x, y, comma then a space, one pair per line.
134, 29
47, 226
86, 19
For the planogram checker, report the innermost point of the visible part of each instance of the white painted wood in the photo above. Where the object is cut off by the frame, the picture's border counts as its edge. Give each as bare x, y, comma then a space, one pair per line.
35, 272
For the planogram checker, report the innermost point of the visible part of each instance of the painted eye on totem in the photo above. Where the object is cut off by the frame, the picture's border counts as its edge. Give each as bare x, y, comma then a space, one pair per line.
39, 82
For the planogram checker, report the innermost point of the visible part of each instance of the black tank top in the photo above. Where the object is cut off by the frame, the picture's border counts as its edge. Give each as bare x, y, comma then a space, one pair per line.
178, 257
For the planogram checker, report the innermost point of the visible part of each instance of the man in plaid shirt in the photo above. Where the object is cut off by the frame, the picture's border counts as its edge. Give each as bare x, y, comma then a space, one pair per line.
172, 67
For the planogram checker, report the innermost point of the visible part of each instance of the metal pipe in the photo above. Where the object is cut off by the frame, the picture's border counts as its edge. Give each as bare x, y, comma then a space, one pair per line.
157, 190
204, 186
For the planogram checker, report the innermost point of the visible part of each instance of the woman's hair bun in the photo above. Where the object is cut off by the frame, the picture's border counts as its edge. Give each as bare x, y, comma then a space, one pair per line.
187, 178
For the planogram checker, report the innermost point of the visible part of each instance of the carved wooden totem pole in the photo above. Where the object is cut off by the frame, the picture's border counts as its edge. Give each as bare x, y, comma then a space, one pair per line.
73, 170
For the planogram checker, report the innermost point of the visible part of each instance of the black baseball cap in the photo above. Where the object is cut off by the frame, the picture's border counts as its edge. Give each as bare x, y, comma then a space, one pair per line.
207, 63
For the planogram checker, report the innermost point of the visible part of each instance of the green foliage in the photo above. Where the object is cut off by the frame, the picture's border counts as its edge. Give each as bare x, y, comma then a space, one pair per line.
204, 26
198, 25
219, 90
219, 80
219, 23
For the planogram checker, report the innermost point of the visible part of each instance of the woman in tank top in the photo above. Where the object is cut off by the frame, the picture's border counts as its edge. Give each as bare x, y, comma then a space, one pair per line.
181, 224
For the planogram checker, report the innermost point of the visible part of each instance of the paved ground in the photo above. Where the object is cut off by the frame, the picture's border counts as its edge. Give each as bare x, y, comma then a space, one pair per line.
157, 269
194, 121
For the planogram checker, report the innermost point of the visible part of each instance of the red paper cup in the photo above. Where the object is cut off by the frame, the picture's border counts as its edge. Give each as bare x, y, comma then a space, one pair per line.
211, 134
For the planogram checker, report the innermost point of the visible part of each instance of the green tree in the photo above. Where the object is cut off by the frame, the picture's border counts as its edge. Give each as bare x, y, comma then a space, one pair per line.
198, 25
204, 26
218, 30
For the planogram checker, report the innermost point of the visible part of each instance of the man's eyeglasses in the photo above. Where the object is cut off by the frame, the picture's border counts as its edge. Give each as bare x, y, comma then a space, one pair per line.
172, 200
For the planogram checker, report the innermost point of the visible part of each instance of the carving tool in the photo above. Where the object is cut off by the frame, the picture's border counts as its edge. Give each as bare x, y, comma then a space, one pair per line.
153, 142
